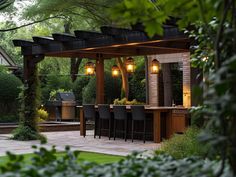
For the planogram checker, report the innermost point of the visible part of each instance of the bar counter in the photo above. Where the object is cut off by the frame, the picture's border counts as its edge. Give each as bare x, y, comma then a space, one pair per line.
174, 121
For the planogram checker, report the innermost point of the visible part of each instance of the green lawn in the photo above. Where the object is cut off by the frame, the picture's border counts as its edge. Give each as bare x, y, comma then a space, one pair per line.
84, 156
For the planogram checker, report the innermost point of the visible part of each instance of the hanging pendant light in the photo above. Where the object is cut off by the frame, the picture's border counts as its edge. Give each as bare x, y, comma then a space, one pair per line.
155, 67
89, 68
115, 71
130, 65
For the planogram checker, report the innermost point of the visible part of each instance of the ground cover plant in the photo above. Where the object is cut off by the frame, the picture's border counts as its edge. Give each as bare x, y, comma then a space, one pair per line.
46, 163
185, 145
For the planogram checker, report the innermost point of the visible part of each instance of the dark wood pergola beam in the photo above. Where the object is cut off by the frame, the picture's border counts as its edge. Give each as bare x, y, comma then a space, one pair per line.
116, 52
49, 47
64, 37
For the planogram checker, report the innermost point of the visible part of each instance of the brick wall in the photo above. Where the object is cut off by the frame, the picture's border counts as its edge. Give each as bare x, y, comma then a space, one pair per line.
153, 78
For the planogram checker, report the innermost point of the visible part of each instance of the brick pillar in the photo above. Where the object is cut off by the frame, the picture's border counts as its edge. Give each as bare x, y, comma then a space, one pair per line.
186, 80
152, 84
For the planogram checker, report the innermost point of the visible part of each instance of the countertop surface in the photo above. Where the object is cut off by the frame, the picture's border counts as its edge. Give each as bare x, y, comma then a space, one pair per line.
148, 107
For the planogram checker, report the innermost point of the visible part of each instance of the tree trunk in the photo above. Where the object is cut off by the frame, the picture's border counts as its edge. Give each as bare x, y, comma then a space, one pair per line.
74, 68
124, 76
74, 62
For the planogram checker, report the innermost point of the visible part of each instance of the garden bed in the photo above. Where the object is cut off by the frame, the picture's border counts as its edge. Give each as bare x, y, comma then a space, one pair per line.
50, 126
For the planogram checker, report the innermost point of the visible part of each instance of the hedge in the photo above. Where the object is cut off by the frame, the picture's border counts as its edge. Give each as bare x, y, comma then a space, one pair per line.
9, 91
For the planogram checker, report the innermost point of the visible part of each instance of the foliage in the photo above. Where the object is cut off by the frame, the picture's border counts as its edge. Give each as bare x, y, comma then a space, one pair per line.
5, 3
111, 87
214, 21
78, 86
137, 83
53, 83
46, 163
42, 115
124, 101
30, 101
134, 11
177, 86
89, 13
9, 87
54, 93
25, 133
197, 117
9, 118
153, 14
9, 90
3, 69
185, 145
89, 92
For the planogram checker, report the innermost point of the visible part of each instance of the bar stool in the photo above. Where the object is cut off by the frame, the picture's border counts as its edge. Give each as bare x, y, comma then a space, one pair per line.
138, 114
89, 114
120, 114
104, 114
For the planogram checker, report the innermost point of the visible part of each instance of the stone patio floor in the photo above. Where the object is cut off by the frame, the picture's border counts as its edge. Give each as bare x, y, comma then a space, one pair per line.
77, 142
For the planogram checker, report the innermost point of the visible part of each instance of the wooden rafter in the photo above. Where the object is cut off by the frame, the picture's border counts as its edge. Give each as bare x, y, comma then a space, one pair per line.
111, 43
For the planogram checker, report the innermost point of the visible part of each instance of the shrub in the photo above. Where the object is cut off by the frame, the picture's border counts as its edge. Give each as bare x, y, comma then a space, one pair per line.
9, 91
8, 118
25, 133
78, 86
89, 92
54, 93
137, 83
112, 89
42, 115
124, 101
185, 145
45, 163
53, 82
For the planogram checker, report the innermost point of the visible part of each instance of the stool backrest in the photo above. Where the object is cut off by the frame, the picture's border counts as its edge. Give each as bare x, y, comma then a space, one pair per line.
138, 112
104, 111
120, 112
89, 111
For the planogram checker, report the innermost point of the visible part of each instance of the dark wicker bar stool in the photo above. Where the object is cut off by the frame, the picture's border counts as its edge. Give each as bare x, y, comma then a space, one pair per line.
120, 114
89, 114
104, 114
138, 114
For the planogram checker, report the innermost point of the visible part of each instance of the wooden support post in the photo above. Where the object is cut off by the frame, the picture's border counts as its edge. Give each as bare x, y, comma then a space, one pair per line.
82, 122
147, 79
169, 129
157, 126
30, 91
100, 80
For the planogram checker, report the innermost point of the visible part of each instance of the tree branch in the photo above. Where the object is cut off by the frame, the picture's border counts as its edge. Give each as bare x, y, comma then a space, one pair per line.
5, 3
25, 25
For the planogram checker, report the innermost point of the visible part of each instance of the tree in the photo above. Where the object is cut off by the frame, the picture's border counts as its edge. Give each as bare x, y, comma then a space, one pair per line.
124, 77
5, 3
73, 12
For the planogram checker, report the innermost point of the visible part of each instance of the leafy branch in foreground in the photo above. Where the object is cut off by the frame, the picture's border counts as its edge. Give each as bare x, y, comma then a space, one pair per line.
215, 37
5, 3
45, 163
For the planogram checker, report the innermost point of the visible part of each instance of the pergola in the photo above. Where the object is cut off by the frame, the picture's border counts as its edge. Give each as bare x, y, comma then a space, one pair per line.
109, 43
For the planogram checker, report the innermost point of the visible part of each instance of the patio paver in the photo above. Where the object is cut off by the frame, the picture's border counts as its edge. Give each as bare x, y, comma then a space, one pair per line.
77, 142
